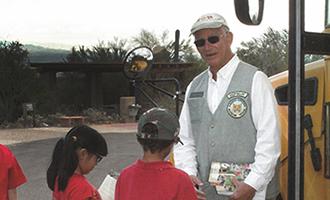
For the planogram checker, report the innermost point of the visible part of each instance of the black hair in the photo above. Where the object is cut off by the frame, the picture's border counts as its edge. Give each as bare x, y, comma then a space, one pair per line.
153, 145
65, 160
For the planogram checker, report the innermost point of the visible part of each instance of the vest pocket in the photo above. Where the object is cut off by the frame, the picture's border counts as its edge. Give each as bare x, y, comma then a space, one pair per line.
195, 108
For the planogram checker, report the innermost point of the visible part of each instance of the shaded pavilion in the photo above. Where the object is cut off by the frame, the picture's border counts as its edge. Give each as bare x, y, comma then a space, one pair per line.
94, 73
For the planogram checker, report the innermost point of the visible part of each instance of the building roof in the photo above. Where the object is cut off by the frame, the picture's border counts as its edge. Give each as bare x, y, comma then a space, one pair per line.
102, 67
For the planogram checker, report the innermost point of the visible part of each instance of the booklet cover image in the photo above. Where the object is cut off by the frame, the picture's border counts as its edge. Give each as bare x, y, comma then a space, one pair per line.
221, 175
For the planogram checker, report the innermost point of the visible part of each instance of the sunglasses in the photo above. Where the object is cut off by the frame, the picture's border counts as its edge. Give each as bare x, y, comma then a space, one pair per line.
211, 40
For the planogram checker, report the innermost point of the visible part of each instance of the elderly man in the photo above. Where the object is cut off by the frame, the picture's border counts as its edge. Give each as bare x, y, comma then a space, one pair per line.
229, 116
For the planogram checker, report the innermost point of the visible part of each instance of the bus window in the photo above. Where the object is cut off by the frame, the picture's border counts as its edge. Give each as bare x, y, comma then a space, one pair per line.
327, 15
314, 21
310, 92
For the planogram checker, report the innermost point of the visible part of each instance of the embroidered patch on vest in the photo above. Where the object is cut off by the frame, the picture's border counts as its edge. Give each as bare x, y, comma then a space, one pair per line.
237, 105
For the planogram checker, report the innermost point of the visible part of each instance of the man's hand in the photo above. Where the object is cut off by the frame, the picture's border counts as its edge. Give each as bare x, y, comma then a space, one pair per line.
197, 183
243, 191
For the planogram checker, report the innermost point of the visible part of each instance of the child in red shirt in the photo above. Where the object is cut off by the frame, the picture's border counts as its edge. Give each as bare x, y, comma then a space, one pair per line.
11, 174
151, 177
73, 157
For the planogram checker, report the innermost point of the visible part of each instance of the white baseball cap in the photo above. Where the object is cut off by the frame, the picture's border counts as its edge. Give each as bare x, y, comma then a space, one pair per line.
210, 20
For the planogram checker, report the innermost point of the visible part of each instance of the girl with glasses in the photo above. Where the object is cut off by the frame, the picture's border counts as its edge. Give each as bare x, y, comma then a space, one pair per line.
74, 156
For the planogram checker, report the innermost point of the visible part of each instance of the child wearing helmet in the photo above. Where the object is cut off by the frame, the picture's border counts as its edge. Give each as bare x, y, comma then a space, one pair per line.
152, 176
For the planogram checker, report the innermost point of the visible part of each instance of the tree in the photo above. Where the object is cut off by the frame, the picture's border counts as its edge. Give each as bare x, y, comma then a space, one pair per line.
75, 83
149, 39
269, 52
118, 48
112, 52
311, 58
18, 83
163, 48
78, 56
101, 53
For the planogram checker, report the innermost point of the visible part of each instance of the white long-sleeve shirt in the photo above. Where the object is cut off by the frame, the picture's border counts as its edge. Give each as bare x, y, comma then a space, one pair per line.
264, 116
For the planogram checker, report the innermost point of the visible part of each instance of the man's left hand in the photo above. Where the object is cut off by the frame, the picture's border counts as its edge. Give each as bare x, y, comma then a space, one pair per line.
243, 191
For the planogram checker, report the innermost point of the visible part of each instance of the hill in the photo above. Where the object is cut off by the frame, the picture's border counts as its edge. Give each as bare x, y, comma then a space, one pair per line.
42, 54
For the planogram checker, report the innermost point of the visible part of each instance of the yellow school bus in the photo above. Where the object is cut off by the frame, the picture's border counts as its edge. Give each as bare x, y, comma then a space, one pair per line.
303, 96
317, 107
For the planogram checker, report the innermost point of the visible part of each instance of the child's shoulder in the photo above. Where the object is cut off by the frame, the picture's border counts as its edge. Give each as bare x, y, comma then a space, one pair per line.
5, 151
4, 148
80, 182
78, 179
178, 176
130, 168
179, 172
80, 188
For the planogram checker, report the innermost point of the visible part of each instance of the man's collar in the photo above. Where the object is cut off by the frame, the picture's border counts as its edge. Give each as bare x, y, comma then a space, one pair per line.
225, 71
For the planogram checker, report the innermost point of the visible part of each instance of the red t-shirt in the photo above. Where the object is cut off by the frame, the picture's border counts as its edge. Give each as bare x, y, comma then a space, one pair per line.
155, 180
11, 174
78, 188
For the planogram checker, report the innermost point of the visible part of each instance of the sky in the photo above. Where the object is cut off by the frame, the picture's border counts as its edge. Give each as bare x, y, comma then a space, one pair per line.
67, 23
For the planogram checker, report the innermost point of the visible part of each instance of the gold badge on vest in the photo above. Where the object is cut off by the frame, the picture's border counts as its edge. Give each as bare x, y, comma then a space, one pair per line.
237, 105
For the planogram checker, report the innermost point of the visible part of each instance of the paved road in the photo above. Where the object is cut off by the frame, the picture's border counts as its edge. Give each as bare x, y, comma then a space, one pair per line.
34, 158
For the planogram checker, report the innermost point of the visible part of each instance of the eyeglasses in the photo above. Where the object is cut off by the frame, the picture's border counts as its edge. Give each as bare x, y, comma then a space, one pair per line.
212, 39
177, 140
98, 157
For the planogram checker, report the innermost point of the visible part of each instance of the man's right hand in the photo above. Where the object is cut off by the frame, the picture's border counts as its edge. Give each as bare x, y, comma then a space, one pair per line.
198, 183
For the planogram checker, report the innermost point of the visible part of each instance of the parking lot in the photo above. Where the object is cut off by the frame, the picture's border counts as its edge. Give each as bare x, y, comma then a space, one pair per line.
34, 155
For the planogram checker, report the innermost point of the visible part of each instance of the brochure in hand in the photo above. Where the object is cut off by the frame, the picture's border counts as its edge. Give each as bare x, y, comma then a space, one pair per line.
108, 187
221, 175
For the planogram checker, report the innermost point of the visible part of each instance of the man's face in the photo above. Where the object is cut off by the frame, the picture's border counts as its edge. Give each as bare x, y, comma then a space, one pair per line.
216, 46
